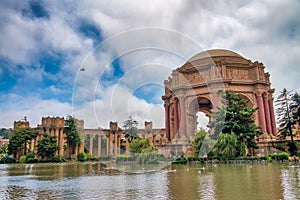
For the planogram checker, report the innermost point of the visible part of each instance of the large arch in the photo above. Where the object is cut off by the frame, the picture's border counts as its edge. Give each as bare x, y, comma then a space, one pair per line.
198, 104
204, 78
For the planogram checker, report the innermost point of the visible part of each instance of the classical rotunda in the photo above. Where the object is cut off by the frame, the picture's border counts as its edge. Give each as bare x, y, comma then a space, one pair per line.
198, 85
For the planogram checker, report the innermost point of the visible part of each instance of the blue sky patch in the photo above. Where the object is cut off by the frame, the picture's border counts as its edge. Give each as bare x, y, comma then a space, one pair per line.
35, 10
150, 92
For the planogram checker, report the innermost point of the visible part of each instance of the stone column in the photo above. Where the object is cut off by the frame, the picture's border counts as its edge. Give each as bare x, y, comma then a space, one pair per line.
116, 144
62, 140
215, 100
261, 113
91, 144
175, 118
99, 145
182, 117
167, 122
107, 145
56, 134
272, 116
111, 145
127, 146
267, 115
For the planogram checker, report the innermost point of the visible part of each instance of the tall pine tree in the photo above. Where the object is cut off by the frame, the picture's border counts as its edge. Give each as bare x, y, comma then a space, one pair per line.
235, 117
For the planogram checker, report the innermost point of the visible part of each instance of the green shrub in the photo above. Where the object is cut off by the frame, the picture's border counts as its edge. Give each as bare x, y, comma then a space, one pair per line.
81, 157
280, 156
59, 158
283, 156
32, 160
22, 159
180, 161
90, 156
123, 158
263, 158
192, 158
30, 155
7, 160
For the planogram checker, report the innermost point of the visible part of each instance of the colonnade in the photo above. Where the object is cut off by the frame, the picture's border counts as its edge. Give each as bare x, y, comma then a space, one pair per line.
266, 114
60, 138
106, 144
177, 109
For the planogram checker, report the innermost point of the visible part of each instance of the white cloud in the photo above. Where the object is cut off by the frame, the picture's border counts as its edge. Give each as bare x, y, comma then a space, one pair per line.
259, 30
32, 107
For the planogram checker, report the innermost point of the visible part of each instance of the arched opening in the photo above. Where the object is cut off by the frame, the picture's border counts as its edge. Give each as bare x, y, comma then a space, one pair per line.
199, 109
202, 120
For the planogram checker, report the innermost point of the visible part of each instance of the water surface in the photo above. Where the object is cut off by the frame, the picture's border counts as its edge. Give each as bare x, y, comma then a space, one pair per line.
97, 181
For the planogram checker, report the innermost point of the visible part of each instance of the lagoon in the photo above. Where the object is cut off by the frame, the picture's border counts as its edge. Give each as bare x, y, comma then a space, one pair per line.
93, 180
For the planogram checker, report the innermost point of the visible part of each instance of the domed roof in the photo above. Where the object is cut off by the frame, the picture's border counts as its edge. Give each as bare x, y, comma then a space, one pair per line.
214, 53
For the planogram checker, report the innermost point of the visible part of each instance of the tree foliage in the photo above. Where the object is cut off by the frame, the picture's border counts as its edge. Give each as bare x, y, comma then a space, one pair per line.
6, 133
288, 115
47, 146
73, 133
139, 145
130, 126
198, 140
19, 140
235, 117
227, 146
295, 108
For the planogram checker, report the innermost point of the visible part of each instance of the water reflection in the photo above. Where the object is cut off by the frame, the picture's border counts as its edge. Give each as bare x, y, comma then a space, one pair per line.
290, 177
111, 181
206, 186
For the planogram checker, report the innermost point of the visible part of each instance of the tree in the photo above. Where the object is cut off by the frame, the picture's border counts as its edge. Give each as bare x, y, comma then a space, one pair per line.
227, 146
6, 133
235, 117
139, 145
130, 126
285, 117
295, 107
73, 133
20, 139
198, 140
47, 146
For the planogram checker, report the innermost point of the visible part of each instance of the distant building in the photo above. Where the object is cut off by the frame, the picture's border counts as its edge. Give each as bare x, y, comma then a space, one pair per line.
3, 142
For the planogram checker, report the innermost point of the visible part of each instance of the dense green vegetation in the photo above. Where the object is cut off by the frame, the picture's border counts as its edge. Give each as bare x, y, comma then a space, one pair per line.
19, 140
47, 146
141, 146
130, 129
5, 133
233, 125
74, 136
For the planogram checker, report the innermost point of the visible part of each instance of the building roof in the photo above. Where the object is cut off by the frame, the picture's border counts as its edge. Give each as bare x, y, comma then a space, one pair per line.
214, 53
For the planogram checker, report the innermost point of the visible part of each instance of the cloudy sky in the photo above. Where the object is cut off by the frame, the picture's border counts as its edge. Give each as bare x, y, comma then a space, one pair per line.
106, 60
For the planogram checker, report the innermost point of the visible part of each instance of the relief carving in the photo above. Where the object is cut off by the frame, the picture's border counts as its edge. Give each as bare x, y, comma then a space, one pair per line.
238, 74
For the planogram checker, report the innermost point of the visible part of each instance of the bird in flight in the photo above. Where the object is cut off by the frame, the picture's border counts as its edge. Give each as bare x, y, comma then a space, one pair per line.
82, 69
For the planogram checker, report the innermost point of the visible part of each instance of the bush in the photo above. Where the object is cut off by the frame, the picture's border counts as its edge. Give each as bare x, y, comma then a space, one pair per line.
32, 160
7, 160
22, 159
192, 158
124, 158
263, 158
81, 157
90, 156
55, 159
30, 155
283, 156
280, 156
180, 161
